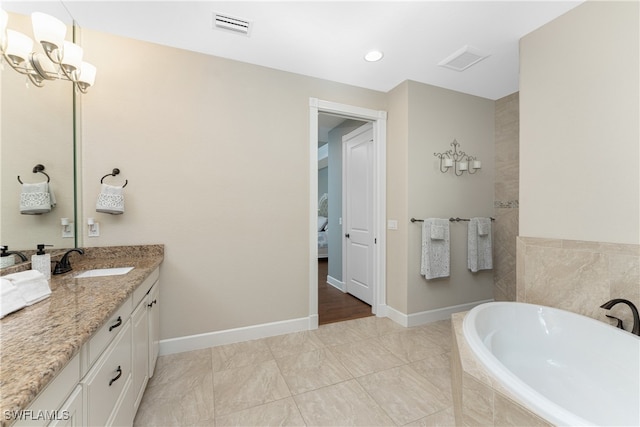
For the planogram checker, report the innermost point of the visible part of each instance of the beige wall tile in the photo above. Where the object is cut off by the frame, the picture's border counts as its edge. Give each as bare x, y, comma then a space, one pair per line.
509, 413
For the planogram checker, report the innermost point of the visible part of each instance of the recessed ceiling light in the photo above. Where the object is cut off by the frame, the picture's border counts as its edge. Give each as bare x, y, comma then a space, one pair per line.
373, 56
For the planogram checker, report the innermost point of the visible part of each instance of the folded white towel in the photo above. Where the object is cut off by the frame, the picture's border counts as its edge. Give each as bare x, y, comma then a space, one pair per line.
10, 298
437, 232
479, 246
435, 252
36, 199
110, 200
31, 284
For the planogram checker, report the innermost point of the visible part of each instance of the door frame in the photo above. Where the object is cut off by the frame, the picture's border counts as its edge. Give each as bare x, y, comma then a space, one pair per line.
379, 121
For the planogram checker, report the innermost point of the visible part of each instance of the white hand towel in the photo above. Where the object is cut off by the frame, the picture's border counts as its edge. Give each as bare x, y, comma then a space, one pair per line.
479, 246
10, 298
36, 199
110, 200
435, 252
31, 284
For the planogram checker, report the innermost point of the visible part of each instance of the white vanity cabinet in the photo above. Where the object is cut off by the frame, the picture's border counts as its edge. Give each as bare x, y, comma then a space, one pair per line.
103, 384
145, 351
153, 305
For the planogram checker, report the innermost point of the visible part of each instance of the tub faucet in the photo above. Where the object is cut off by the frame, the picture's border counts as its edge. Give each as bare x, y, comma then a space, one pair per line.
64, 266
636, 318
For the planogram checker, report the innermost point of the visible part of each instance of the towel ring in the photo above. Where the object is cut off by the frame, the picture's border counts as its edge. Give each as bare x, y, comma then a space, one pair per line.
115, 172
37, 168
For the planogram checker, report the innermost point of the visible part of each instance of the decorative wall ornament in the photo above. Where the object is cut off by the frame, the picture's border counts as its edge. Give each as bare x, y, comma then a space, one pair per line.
458, 160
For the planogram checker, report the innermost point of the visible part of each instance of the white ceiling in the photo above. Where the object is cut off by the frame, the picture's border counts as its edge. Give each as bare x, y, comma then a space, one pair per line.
328, 39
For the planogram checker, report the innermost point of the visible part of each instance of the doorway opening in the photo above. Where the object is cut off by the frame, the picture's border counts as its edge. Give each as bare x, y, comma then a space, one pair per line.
346, 120
336, 302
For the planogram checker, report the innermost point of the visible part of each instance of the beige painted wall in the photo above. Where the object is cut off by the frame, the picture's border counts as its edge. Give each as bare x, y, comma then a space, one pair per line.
216, 154
424, 119
397, 196
579, 107
579, 172
436, 117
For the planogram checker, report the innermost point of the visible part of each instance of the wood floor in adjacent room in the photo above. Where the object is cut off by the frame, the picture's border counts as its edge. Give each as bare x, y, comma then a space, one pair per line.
335, 305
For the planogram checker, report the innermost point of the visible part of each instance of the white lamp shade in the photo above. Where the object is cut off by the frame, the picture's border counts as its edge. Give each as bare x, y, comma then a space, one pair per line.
19, 46
477, 164
463, 166
448, 163
48, 29
87, 74
72, 56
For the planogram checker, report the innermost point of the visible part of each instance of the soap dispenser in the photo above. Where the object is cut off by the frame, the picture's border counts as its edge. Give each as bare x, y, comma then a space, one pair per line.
41, 261
6, 259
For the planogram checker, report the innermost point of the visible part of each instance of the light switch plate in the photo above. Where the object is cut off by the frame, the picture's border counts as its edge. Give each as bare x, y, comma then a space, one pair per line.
96, 230
69, 234
392, 224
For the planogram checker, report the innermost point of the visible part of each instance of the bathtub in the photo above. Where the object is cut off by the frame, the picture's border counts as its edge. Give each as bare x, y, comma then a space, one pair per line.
567, 368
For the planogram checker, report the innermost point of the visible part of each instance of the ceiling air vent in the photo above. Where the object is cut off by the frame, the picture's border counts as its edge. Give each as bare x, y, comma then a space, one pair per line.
230, 23
463, 58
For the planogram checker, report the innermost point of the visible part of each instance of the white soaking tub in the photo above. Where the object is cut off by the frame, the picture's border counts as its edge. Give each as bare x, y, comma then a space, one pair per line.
567, 368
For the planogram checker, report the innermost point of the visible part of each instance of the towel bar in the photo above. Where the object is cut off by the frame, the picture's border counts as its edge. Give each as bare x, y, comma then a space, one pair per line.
115, 172
36, 169
450, 219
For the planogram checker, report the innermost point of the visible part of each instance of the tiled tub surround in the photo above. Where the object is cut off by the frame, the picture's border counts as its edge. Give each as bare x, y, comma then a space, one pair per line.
579, 276
478, 398
38, 341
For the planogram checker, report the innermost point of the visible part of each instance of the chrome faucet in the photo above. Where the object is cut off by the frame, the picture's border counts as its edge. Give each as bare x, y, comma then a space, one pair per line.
64, 266
636, 317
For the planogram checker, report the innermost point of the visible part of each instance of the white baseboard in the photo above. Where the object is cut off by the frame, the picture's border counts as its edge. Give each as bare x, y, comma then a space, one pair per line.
230, 336
336, 283
424, 317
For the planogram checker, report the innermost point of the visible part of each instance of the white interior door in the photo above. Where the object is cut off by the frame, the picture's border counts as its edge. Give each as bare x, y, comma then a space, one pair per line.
358, 212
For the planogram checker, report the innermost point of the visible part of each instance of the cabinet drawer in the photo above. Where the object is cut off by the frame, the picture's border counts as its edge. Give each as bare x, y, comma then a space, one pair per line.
45, 407
143, 289
108, 331
104, 383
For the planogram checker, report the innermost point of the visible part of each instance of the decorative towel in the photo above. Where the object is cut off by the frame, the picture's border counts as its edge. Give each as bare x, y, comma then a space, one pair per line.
479, 248
31, 284
36, 199
435, 251
10, 298
110, 200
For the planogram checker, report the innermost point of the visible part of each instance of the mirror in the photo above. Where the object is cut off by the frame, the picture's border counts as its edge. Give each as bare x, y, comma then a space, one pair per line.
36, 127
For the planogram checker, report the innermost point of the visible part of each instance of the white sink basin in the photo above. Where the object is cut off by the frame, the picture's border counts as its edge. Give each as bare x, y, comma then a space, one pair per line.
99, 272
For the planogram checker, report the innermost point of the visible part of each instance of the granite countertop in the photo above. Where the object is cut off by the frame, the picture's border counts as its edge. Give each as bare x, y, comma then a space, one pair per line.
38, 341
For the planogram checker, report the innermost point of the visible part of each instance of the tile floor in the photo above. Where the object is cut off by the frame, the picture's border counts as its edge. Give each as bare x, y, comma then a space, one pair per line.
363, 372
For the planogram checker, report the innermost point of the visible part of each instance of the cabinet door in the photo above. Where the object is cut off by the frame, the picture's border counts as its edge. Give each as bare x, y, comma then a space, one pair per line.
140, 347
71, 411
153, 304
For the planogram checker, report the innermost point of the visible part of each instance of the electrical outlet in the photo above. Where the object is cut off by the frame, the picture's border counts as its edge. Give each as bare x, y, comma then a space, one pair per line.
69, 233
94, 230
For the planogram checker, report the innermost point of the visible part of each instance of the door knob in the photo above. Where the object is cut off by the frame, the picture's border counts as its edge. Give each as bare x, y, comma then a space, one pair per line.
347, 235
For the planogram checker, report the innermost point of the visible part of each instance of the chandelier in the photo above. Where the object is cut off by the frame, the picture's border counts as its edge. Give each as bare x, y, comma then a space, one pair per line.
61, 60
